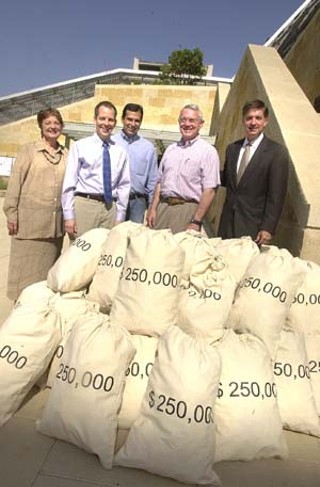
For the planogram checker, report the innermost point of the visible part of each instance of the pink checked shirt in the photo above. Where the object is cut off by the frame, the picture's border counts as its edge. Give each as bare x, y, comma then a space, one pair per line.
186, 169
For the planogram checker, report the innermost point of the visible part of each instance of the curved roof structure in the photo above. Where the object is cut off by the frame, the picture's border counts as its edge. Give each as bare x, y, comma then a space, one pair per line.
286, 36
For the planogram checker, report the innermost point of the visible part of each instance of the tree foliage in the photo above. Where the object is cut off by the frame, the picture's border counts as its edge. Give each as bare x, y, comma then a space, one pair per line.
185, 67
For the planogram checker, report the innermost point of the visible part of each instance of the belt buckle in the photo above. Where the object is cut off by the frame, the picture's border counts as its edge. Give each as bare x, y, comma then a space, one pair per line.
176, 201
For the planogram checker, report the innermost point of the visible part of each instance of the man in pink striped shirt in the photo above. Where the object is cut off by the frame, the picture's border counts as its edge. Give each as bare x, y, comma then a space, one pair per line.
189, 176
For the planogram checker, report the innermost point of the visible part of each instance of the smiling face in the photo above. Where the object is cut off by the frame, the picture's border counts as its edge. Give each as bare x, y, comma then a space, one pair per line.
105, 122
190, 123
254, 122
51, 128
131, 123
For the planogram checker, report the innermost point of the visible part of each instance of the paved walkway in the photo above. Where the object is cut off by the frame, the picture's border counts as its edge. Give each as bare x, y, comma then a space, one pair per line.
28, 459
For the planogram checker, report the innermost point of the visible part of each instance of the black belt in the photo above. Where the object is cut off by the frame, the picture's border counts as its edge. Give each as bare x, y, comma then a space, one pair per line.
135, 196
96, 197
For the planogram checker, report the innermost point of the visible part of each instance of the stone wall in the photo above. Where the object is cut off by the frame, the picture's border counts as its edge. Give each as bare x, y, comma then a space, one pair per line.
161, 104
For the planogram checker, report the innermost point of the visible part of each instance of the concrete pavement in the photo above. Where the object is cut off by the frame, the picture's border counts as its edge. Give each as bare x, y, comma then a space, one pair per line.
29, 459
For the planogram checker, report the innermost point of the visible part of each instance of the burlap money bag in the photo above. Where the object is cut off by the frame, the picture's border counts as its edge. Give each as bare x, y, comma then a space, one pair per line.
174, 434
146, 300
265, 294
137, 376
204, 305
248, 423
36, 292
75, 268
106, 278
312, 342
87, 391
70, 307
28, 339
238, 253
304, 315
292, 377
196, 247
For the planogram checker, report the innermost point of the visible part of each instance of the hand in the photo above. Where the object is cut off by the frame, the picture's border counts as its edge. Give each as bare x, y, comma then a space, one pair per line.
12, 228
151, 217
263, 237
70, 227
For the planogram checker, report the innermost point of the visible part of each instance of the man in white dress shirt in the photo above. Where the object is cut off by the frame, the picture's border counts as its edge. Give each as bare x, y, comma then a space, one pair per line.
84, 201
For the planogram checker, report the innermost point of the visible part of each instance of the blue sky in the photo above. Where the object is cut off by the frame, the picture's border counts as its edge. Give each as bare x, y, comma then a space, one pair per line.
48, 41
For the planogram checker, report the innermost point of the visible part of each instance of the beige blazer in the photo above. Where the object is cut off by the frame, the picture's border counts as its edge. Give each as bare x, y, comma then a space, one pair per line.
33, 197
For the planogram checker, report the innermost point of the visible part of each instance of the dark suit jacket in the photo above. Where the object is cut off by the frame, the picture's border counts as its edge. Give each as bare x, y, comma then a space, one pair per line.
256, 202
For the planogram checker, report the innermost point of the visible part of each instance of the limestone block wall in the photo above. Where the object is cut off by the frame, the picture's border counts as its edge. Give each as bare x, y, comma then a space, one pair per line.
14, 135
81, 111
161, 104
294, 122
219, 100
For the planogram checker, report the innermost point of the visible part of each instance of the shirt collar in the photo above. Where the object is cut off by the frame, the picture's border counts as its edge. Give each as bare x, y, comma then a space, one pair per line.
187, 143
97, 139
129, 139
41, 146
255, 142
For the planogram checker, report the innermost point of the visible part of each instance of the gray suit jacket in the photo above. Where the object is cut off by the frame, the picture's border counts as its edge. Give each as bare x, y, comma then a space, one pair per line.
256, 202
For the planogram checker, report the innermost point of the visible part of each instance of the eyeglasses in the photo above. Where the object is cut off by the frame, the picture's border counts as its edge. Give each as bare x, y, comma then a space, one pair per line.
189, 120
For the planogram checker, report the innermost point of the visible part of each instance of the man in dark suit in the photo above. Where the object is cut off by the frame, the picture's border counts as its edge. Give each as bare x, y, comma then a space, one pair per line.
255, 175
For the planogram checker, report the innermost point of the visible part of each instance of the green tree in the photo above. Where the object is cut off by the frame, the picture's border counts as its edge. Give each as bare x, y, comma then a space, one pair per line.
185, 67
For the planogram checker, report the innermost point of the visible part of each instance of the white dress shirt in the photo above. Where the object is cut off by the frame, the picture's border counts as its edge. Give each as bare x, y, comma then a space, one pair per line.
254, 145
84, 174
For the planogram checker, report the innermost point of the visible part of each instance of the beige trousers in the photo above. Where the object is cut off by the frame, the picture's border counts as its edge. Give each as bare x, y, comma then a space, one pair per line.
93, 214
175, 217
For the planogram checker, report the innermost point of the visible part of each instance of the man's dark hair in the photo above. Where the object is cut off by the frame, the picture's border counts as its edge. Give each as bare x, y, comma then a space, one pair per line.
132, 107
106, 104
255, 104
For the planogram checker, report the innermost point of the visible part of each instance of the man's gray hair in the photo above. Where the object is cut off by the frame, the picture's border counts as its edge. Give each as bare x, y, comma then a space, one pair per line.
195, 108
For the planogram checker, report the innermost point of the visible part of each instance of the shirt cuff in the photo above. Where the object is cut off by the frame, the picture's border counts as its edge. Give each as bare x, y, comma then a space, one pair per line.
68, 215
120, 215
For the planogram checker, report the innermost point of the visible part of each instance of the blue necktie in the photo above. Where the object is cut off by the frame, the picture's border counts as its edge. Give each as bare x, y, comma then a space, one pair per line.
107, 174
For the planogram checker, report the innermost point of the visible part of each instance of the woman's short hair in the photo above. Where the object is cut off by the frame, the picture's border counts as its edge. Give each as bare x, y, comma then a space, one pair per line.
48, 112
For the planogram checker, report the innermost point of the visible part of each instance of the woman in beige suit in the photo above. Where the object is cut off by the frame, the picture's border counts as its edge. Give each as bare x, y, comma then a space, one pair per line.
33, 205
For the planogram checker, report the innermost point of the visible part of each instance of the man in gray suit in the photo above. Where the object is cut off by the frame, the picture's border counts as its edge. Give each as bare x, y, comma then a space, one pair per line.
255, 175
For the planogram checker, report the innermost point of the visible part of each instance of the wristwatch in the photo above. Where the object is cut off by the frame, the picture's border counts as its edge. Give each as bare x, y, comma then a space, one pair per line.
196, 222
